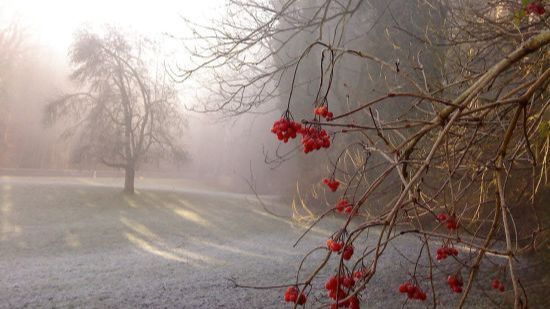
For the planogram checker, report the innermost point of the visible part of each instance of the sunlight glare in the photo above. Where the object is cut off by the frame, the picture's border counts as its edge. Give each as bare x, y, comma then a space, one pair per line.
55, 21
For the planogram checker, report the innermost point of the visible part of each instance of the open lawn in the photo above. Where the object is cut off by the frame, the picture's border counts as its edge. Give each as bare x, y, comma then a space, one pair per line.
80, 242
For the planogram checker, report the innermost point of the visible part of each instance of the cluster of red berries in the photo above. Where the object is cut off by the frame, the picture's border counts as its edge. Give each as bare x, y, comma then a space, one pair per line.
450, 221
535, 7
344, 205
291, 295
337, 246
331, 183
286, 129
335, 291
334, 246
455, 283
314, 139
497, 285
444, 252
323, 112
413, 291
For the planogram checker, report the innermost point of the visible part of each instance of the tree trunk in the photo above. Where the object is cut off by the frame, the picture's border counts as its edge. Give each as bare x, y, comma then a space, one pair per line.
129, 179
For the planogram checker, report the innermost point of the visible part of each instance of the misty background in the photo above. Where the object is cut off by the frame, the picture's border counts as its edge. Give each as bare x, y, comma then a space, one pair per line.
189, 230
34, 65
229, 147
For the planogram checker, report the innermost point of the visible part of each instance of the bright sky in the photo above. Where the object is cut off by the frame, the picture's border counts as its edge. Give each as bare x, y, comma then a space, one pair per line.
53, 22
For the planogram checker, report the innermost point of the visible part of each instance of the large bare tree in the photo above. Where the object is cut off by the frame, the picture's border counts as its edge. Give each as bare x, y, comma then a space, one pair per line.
124, 115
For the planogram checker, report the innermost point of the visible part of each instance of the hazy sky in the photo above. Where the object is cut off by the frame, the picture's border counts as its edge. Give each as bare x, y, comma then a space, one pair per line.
54, 21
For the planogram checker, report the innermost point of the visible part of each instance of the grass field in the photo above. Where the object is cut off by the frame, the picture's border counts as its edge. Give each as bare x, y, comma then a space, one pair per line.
80, 242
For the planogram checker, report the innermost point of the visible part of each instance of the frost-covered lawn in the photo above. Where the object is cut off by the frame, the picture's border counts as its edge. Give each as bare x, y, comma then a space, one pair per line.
79, 242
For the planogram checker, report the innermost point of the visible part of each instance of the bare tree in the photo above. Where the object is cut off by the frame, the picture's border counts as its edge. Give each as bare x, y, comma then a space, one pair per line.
440, 130
125, 115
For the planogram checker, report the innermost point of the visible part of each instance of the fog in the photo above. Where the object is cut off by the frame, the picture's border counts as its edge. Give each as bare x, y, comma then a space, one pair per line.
228, 146
221, 149
272, 153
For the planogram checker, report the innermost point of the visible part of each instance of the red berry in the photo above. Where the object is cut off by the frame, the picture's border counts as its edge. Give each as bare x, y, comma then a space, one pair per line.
536, 8
348, 282
338, 293
451, 280
301, 299
331, 284
354, 302
495, 284
403, 288
452, 224
443, 252
501, 288
291, 294
343, 203
323, 112
336, 246
442, 217
348, 252
455, 280
455, 283
331, 183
